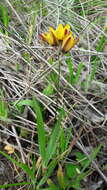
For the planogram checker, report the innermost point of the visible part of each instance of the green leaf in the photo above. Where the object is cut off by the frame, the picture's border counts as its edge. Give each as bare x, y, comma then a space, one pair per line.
41, 130
62, 141
83, 160
14, 184
52, 185
79, 69
91, 76
68, 137
60, 177
72, 170
3, 108
4, 17
92, 156
55, 135
71, 69
48, 173
40, 124
48, 90
20, 105
24, 102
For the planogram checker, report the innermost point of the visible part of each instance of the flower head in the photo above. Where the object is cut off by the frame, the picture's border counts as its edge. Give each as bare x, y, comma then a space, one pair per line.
62, 35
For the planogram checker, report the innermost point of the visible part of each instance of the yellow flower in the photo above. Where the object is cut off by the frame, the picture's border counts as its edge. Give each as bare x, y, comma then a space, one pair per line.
69, 42
63, 35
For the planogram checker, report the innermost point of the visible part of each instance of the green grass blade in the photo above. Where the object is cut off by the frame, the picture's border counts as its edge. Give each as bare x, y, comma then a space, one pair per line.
79, 69
92, 156
3, 108
4, 17
24, 102
19, 106
62, 141
91, 75
71, 69
68, 137
40, 129
55, 134
14, 184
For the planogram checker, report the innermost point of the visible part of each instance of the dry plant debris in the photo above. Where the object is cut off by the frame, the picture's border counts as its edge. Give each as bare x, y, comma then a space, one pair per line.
33, 74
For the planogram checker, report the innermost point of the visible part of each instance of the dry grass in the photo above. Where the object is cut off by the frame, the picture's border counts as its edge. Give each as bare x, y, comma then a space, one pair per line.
25, 71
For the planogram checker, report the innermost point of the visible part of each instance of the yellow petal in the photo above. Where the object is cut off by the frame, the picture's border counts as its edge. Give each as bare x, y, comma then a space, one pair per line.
69, 43
47, 37
9, 149
53, 36
60, 32
43, 36
50, 37
66, 31
67, 26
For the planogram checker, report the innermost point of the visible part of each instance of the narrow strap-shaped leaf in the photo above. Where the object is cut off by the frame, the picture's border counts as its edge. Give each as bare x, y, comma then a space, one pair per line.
54, 137
40, 129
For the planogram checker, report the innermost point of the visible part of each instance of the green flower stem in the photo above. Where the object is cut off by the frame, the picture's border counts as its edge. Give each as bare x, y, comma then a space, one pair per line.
59, 72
